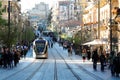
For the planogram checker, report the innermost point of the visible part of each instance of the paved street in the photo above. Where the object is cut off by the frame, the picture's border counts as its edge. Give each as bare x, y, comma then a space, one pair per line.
88, 25
58, 66
88, 67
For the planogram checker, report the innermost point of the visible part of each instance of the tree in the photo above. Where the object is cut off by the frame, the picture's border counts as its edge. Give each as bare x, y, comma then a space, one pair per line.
28, 34
4, 30
49, 17
2, 21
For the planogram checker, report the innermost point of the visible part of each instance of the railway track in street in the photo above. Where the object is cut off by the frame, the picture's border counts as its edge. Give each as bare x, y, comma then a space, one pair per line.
95, 77
58, 66
19, 74
55, 67
35, 71
73, 72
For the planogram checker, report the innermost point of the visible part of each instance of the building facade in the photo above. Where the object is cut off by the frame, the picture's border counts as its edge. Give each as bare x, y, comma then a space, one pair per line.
97, 18
15, 10
38, 13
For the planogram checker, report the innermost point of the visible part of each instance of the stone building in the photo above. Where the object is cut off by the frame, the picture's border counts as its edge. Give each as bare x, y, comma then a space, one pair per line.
15, 10
97, 18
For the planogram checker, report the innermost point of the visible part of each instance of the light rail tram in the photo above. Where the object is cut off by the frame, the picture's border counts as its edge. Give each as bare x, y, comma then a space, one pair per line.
40, 48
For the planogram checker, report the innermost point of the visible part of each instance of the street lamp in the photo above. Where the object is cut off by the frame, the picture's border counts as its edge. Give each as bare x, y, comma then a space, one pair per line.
8, 22
9, 13
110, 27
98, 19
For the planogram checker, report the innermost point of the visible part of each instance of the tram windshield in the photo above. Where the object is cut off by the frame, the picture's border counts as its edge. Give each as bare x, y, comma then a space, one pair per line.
40, 45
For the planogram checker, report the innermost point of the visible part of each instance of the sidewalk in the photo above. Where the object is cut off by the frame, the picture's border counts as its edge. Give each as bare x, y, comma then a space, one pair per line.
88, 66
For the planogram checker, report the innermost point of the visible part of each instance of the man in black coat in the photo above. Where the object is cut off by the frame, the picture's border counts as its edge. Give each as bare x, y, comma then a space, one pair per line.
102, 61
116, 62
95, 58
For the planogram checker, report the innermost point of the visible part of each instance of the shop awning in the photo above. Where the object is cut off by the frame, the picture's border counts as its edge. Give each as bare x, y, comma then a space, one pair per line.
96, 42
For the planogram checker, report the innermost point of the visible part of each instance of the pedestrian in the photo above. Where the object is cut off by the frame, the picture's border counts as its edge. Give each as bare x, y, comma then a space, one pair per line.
0, 57
25, 50
10, 58
22, 51
69, 50
88, 54
95, 58
107, 56
112, 66
16, 57
49, 43
116, 62
84, 54
102, 61
52, 44
5, 58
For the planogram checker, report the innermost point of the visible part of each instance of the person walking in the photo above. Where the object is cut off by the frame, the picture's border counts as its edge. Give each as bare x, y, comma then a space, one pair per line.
10, 58
51, 43
5, 57
84, 54
16, 57
112, 66
88, 54
25, 50
116, 62
1, 59
69, 50
102, 61
95, 58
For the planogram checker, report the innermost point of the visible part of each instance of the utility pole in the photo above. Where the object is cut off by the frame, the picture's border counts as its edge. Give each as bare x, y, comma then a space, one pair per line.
110, 27
98, 19
8, 23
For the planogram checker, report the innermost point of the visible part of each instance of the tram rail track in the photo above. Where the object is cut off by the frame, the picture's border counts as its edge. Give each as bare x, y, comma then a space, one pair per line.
55, 68
88, 72
81, 68
91, 74
23, 69
34, 72
72, 71
18, 71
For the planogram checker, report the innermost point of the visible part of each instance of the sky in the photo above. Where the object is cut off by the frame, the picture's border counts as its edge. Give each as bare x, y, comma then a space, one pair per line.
29, 4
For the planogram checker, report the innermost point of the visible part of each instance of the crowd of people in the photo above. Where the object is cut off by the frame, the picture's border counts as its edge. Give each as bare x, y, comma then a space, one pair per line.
109, 60
112, 61
9, 57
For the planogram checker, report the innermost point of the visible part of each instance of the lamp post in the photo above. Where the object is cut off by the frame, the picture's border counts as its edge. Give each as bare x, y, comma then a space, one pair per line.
8, 22
98, 19
110, 27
